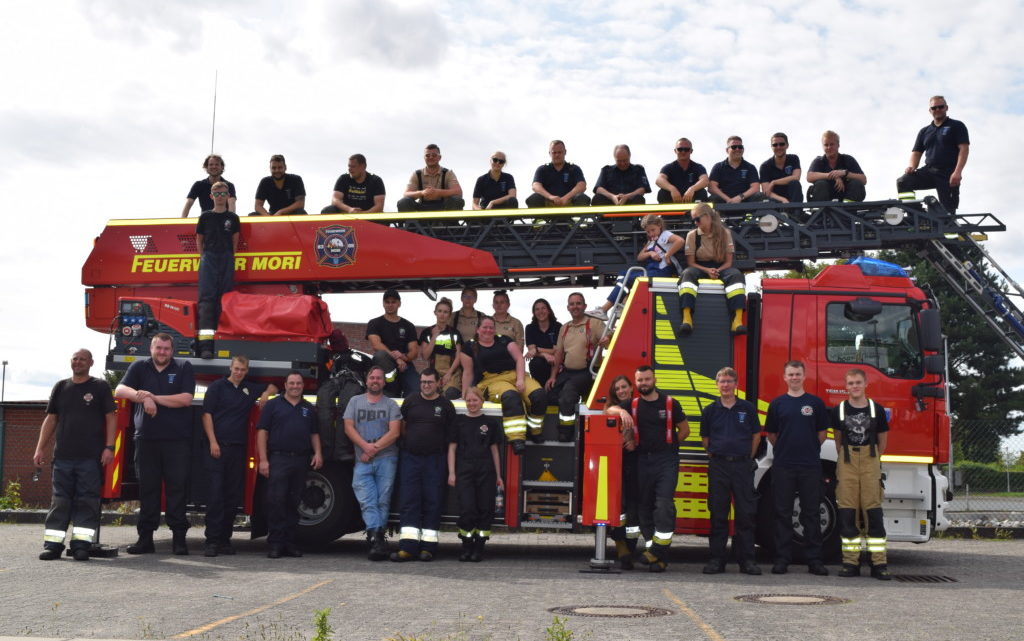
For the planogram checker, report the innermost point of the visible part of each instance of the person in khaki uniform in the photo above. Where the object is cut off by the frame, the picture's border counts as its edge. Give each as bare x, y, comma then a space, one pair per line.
506, 324
862, 430
433, 188
709, 252
570, 372
440, 345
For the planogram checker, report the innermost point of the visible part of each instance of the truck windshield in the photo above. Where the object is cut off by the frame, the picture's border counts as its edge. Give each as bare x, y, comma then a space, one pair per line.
887, 341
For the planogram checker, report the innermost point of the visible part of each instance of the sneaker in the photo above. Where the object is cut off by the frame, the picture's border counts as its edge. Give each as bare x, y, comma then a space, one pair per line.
780, 567
49, 554
881, 572
848, 569
210, 549
751, 568
426, 555
81, 554
714, 566
402, 556
817, 568
597, 313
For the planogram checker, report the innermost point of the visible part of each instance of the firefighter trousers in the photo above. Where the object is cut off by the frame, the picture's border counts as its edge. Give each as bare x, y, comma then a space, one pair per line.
224, 491
859, 492
657, 475
216, 278
629, 530
731, 482
570, 385
421, 483
477, 486
735, 283
520, 411
76, 499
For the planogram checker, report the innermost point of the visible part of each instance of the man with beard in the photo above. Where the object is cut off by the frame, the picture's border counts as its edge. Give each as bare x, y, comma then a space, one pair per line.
214, 166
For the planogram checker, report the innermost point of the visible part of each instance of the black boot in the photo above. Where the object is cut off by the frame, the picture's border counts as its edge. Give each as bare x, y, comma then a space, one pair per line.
369, 543
478, 549
379, 550
144, 545
467, 548
178, 544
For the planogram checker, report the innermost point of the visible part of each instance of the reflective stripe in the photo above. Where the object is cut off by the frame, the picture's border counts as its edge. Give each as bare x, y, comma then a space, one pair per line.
207, 333
564, 418
82, 534
53, 536
734, 290
534, 421
484, 534
466, 533
876, 545
907, 195
632, 532
662, 538
688, 288
429, 536
410, 533
390, 376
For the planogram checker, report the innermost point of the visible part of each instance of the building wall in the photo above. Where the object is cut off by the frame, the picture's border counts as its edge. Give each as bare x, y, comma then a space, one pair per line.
20, 424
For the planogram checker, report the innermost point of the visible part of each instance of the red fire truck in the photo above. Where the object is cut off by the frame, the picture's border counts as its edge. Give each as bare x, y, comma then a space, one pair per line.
141, 278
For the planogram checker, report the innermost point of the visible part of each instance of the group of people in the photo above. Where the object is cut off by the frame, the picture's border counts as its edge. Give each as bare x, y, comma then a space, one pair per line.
944, 144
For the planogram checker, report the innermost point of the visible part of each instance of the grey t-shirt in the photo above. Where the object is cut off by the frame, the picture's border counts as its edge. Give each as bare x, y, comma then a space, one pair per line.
371, 419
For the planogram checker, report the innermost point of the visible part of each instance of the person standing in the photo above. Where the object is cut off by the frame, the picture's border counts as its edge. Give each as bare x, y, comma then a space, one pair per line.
474, 469
862, 432
216, 241
226, 409
945, 144
161, 390
81, 418
796, 424
373, 423
731, 434
426, 421
660, 425
287, 444
626, 535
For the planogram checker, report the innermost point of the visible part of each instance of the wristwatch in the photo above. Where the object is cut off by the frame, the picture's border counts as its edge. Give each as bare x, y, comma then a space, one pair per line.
109, 447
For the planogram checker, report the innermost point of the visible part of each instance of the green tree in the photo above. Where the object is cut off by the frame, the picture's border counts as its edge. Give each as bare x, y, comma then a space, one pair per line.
984, 384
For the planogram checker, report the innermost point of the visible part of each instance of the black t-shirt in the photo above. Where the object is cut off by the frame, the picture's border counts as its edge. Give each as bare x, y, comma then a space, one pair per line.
494, 359
291, 189
395, 335
558, 182
797, 420
770, 171
289, 426
427, 424
229, 407
618, 181
81, 410
445, 343
734, 180
941, 145
357, 194
844, 161
170, 423
474, 436
856, 425
729, 430
683, 179
540, 369
201, 191
651, 422
217, 228
488, 189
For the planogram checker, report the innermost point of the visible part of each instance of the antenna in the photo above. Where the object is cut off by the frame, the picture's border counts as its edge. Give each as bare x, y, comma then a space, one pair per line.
213, 125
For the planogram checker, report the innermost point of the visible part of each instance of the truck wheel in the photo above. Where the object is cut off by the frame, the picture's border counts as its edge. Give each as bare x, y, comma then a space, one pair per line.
331, 400
328, 508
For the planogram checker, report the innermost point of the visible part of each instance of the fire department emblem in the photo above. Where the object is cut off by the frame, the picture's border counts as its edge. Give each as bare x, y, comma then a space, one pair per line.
807, 410
335, 246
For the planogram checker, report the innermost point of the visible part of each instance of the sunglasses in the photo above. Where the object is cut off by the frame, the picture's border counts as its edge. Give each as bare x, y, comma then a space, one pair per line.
684, 149
500, 161
938, 107
696, 219
736, 147
779, 144
219, 193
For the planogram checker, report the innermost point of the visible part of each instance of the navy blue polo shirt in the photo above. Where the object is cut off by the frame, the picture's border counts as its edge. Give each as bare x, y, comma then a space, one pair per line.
729, 430
941, 145
683, 179
488, 189
289, 426
734, 181
170, 423
618, 181
558, 182
844, 161
229, 406
797, 420
770, 171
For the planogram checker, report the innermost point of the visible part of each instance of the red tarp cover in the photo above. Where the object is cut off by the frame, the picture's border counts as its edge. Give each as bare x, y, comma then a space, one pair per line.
274, 318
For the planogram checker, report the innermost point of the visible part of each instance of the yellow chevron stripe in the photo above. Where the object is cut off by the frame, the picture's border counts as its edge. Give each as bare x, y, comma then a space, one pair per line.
667, 355
663, 330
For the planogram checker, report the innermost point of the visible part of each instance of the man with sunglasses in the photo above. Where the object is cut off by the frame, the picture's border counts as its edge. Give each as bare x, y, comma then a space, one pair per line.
780, 174
622, 183
216, 241
835, 176
433, 188
946, 145
734, 180
495, 189
682, 181
558, 183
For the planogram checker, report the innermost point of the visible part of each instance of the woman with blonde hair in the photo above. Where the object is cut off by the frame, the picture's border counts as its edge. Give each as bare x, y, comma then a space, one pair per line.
709, 251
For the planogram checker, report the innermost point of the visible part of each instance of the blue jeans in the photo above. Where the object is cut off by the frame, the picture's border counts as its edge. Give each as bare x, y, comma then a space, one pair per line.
372, 483
653, 271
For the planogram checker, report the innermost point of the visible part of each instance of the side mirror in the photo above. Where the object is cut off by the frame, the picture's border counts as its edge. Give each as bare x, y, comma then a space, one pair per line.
931, 332
862, 309
935, 364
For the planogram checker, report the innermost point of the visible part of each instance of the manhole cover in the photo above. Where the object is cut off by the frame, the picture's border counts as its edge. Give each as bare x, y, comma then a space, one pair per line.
791, 599
617, 611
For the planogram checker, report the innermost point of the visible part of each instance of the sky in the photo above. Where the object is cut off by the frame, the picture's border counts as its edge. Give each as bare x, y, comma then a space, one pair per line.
106, 110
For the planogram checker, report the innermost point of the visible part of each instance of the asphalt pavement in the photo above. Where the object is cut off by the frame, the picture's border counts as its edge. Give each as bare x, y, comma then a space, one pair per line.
956, 589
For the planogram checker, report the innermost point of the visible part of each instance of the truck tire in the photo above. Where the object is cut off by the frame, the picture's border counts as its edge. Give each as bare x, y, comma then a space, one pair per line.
331, 400
328, 508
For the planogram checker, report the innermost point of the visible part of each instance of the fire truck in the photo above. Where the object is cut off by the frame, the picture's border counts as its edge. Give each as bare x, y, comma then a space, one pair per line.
141, 278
